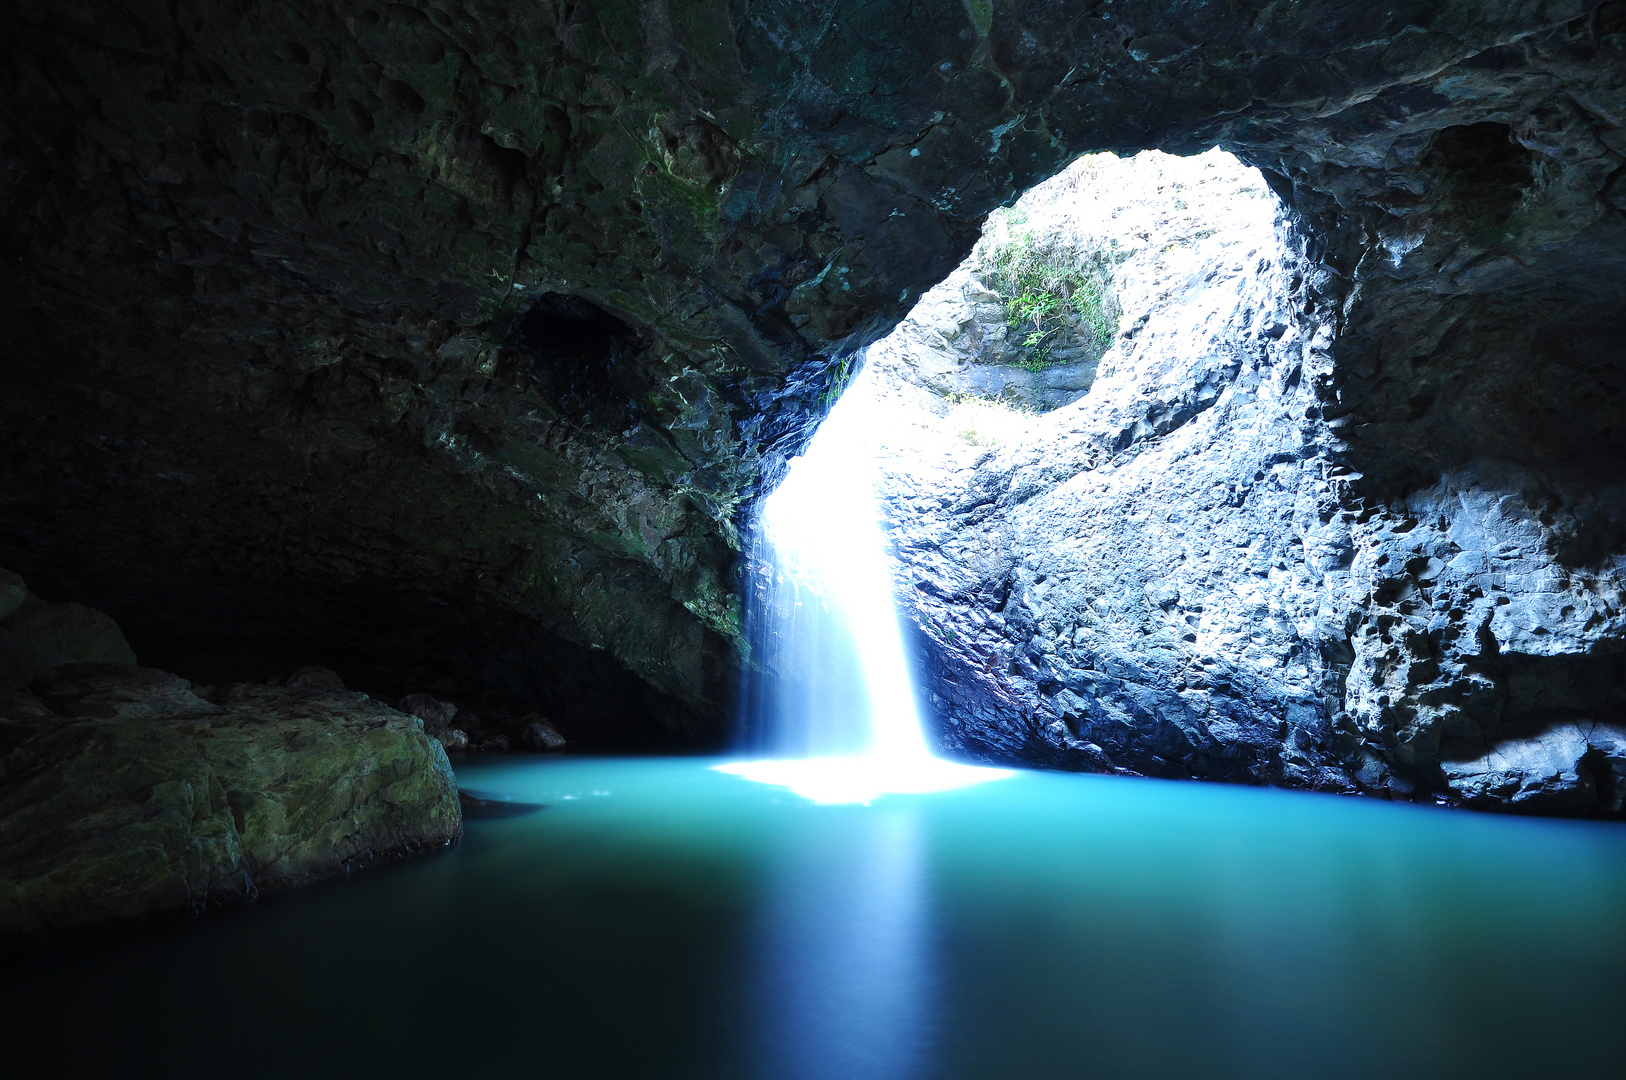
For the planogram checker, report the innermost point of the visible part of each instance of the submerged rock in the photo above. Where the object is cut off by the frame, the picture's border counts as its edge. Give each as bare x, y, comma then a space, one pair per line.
133, 797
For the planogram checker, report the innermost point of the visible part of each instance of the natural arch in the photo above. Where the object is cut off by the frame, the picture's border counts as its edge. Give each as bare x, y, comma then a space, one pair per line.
269, 275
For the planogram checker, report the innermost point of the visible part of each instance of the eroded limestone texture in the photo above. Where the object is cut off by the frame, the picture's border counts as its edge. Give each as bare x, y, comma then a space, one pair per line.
1170, 576
454, 339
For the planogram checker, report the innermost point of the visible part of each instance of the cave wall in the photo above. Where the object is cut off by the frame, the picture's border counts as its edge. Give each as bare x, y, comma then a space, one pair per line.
462, 335
1168, 576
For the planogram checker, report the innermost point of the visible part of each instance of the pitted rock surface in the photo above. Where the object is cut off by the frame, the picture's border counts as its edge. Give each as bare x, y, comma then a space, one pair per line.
456, 338
1170, 577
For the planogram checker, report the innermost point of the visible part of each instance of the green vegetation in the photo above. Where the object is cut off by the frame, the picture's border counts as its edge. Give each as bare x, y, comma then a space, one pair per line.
838, 383
982, 15
986, 422
1050, 293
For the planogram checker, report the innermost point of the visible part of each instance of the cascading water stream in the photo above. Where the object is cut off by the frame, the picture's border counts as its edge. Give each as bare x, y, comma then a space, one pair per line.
831, 703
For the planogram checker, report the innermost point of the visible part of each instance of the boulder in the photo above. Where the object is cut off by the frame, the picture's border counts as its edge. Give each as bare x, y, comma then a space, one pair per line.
12, 592
436, 715
536, 732
115, 692
133, 797
71, 630
493, 744
1569, 769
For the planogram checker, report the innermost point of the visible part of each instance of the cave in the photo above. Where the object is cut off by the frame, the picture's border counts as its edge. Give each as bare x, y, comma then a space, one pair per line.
947, 539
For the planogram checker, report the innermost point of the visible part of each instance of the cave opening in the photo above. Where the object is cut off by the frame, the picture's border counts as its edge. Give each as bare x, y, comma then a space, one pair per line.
1112, 270
405, 387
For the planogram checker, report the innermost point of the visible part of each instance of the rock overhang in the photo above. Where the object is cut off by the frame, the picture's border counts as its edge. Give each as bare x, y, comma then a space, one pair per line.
270, 266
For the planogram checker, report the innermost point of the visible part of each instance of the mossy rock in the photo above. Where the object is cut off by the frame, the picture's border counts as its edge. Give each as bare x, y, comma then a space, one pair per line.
151, 800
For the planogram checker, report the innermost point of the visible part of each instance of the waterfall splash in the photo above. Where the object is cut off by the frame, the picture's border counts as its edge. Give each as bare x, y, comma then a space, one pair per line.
832, 701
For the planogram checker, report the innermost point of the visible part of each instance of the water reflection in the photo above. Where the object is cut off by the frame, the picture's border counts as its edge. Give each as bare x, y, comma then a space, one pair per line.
846, 982
662, 920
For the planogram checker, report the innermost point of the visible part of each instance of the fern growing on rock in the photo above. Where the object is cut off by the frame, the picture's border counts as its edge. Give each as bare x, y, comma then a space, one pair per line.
1053, 294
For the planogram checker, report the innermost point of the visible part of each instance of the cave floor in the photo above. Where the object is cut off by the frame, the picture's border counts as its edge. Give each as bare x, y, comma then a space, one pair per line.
655, 918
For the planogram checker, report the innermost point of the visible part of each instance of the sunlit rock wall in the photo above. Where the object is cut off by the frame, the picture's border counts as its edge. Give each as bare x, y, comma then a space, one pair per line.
1168, 576
455, 339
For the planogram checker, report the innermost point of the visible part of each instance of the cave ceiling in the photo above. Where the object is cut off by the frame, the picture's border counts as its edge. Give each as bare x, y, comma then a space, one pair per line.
427, 331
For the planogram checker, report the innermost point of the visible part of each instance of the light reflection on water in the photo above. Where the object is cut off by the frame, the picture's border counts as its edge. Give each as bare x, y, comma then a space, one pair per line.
656, 918
845, 985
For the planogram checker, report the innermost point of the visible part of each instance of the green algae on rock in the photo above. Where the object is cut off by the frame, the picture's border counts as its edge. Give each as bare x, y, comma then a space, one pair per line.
135, 797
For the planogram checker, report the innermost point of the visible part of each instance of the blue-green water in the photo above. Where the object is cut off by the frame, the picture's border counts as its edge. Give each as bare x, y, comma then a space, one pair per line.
658, 919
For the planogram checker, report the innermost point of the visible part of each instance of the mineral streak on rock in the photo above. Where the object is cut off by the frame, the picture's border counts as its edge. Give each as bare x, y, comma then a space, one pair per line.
471, 331
124, 795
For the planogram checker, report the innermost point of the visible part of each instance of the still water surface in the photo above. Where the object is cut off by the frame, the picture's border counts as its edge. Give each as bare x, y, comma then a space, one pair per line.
654, 918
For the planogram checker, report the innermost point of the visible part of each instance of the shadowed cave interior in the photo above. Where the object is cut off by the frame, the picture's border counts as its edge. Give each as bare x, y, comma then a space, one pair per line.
397, 381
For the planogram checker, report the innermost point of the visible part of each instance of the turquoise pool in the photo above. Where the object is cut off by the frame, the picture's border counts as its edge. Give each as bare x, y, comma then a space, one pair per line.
655, 918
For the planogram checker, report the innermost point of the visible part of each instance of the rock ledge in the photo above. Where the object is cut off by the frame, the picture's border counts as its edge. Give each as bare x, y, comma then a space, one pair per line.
124, 795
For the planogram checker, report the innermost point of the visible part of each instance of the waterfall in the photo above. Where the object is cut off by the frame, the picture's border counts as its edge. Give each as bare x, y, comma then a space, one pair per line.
830, 702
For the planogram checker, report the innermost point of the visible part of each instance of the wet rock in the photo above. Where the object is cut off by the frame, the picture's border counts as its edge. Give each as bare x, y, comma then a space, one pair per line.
133, 797
452, 738
436, 715
537, 733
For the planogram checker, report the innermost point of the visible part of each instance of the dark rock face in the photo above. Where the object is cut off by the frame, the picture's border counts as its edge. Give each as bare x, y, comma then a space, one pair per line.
423, 331
125, 795
36, 636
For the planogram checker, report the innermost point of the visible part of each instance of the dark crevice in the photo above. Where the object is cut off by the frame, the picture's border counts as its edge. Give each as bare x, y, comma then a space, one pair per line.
575, 350
1485, 170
